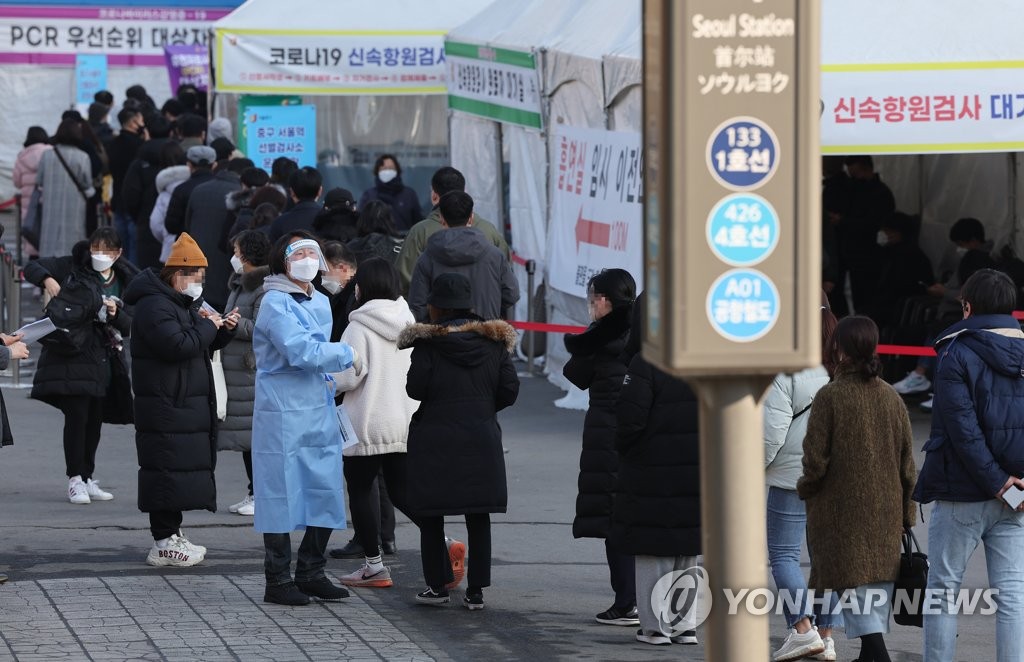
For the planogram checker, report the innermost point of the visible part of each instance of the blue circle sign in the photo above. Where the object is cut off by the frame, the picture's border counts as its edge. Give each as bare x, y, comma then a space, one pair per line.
743, 305
742, 153
743, 229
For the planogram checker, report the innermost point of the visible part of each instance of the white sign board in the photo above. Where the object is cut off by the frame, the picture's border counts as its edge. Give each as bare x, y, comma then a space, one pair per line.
330, 62
596, 206
495, 83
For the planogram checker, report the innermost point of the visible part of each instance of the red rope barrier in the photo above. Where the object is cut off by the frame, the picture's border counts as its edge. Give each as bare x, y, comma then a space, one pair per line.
8, 203
518, 259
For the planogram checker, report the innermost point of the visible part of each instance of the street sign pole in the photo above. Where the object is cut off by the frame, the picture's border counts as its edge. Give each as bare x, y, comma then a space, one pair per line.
732, 255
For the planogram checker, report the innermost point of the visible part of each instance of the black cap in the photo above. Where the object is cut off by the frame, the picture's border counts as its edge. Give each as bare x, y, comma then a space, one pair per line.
451, 292
339, 198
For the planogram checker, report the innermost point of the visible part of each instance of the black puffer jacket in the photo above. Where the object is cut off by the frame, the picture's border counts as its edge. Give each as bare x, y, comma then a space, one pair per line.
657, 502
595, 364
86, 372
463, 375
175, 408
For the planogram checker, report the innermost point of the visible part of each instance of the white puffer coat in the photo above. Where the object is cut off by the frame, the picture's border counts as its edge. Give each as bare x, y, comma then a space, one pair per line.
789, 395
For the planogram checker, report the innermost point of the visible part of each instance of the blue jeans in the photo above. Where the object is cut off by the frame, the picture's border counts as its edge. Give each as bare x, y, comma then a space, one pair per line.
787, 529
954, 532
125, 226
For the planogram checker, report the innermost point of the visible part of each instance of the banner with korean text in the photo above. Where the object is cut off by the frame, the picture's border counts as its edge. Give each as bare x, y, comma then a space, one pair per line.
188, 65
495, 83
330, 62
128, 36
596, 206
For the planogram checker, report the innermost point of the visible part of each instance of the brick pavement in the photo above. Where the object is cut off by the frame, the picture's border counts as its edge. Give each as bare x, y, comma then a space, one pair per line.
186, 617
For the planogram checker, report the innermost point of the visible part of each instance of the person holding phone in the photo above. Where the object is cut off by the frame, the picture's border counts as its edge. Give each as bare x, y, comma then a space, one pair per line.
974, 458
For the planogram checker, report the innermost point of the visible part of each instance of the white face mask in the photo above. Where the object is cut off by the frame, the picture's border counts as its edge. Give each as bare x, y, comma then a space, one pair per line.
961, 251
193, 290
387, 175
101, 262
882, 238
304, 270
331, 285
236, 264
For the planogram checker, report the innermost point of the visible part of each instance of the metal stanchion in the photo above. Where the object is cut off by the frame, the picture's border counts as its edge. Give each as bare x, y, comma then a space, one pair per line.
14, 313
531, 338
17, 230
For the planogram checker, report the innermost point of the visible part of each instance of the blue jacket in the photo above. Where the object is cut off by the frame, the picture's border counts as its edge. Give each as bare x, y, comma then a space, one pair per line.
296, 441
977, 436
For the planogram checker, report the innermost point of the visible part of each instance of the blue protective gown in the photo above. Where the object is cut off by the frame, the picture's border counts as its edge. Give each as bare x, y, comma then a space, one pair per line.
296, 441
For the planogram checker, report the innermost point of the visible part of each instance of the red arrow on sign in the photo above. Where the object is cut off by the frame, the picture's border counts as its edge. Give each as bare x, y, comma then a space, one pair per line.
592, 232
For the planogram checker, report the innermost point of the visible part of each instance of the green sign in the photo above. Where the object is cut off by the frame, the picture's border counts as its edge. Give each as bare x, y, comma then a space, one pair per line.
495, 83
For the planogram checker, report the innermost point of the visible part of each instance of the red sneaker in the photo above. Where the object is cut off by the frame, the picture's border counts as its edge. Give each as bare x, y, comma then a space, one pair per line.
457, 555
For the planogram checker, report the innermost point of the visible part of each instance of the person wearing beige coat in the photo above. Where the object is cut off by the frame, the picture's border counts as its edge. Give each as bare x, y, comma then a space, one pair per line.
858, 476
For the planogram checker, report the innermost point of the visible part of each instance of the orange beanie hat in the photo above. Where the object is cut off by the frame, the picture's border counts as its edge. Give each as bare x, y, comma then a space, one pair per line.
186, 253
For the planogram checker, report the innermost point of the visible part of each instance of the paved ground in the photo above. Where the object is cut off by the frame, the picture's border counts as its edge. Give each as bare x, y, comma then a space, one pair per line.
80, 588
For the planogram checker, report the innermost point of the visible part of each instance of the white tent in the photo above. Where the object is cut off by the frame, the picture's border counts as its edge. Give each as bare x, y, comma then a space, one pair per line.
588, 56
374, 71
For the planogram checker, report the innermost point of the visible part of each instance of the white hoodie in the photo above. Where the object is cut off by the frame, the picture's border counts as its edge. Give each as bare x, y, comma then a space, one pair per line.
375, 399
166, 181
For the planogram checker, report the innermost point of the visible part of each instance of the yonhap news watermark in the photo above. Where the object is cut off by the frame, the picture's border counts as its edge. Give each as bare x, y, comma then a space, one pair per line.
683, 600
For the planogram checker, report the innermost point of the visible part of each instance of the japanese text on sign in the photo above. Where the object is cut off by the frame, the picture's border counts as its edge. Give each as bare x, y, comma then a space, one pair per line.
729, 57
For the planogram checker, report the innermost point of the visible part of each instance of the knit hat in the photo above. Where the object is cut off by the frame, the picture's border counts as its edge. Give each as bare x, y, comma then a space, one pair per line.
186, 253
201, 155
451, 291
218, 128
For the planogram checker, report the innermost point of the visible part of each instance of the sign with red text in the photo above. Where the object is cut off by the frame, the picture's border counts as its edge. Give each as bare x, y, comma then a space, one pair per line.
596, 206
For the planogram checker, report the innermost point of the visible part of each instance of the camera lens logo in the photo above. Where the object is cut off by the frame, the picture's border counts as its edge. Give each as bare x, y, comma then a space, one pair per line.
682, 599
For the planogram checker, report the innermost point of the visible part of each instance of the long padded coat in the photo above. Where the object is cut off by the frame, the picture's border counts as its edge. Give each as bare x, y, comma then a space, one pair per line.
657, 501
462, 374
246, 293
596, 364
175, 407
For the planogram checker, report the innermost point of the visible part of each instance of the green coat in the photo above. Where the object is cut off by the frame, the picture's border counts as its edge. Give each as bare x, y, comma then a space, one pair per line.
416, 242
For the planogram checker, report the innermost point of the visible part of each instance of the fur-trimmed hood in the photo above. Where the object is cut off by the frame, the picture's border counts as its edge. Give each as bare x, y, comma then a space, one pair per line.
601, 335
253, 280
238, 199
173, 175
464, 341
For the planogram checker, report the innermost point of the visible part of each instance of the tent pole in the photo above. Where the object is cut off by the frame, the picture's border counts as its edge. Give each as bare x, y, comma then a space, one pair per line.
499, 148
1012, 195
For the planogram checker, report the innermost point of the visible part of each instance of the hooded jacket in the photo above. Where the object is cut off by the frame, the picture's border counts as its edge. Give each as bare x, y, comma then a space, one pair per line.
462, 374
977, 435
296, 439
595, 364
205, 220
167, 180
416, 241
375, 399
246, 293
175, 404
138, 196
466, 251
787, 408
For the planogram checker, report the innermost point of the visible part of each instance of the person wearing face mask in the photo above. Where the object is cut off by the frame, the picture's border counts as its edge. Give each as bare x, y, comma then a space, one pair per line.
296, 439
388, 187
173, 338
77, 365
596, 364
337, 284
249, 263
903, 270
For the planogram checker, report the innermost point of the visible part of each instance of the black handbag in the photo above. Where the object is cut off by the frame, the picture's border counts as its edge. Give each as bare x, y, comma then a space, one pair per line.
908, 590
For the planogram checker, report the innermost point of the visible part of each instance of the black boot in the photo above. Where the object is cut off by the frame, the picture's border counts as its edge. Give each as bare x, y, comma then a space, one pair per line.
322, 589
353, 550
388, 547
286, 594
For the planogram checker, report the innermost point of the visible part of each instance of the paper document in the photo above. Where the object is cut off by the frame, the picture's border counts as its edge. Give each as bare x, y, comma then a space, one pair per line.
348, 433
37, 330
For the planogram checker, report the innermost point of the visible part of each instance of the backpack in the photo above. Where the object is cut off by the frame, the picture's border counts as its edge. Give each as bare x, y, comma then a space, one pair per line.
73, 312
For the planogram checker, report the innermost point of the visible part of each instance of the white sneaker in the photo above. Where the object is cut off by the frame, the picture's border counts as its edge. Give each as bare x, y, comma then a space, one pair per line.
797, 646
179, 553
77, 492
927, 404
95, 493
199, 548
830, 650
246, 506
914, 382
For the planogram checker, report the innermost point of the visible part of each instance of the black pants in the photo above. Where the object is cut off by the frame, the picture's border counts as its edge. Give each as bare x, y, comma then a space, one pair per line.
277, 565
364, 476
83, 417
164, 523
437, 567
247, 460
622, 572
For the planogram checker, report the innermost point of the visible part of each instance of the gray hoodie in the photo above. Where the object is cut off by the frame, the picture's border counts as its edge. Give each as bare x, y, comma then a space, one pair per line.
469, 252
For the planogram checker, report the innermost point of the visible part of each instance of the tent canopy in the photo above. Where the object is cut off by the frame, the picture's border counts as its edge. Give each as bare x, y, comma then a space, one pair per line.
318, 17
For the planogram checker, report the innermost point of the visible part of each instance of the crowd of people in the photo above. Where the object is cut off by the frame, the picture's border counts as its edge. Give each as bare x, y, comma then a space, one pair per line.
336, 344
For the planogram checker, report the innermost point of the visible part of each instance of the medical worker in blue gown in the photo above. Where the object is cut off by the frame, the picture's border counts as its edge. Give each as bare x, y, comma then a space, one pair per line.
296, 441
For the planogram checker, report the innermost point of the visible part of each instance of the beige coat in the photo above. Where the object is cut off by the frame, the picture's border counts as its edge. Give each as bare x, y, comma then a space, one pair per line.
858, 475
